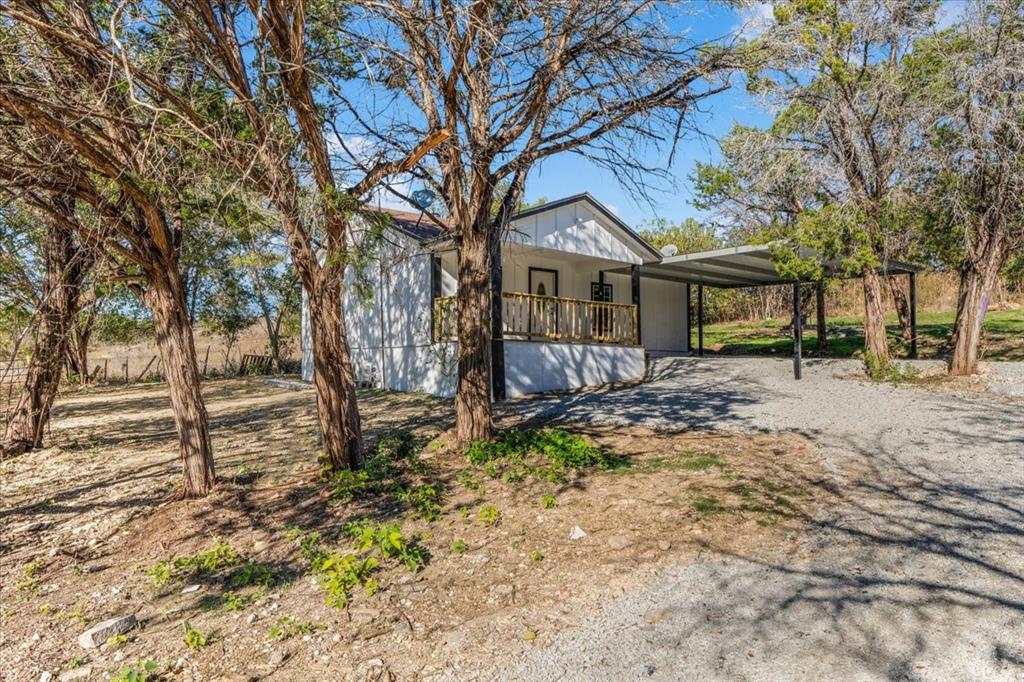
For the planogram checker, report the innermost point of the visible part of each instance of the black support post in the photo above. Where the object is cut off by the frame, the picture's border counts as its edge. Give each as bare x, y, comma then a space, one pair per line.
797, 331
913, 315
689, 321
700, 320
635, 272
497, 338
819, 292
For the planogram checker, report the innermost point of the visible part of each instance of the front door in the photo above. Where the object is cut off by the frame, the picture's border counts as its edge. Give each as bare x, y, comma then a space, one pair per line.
544, 311
601, 320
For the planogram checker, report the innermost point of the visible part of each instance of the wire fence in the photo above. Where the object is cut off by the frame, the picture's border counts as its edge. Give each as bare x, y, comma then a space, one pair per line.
138, 367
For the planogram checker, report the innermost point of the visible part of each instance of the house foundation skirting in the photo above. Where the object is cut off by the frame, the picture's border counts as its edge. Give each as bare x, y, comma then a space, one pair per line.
532, 367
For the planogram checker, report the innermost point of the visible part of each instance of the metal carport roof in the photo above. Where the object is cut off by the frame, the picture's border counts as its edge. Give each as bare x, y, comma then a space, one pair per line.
740, 266
752, 265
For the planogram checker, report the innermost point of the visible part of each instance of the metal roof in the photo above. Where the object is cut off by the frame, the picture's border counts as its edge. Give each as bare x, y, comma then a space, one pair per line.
741, 266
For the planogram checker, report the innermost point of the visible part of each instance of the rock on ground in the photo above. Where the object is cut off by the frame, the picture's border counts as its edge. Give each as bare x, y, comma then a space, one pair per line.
101, 632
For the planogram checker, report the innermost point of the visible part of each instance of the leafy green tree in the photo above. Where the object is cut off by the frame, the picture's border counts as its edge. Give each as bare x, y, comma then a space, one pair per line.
974, 165
51, 296
228, 311
688, 236
828, 173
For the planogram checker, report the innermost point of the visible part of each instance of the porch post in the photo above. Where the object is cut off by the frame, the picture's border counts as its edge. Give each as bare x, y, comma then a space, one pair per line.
820, 305
700, 320
689, 320
913, 315
435, 293
635, 272
797, 331
497, 340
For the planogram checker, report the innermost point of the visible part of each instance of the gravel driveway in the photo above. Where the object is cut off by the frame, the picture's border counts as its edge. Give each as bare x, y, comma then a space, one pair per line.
916, 573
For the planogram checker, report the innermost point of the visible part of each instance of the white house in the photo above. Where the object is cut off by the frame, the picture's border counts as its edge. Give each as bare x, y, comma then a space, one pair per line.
576, 307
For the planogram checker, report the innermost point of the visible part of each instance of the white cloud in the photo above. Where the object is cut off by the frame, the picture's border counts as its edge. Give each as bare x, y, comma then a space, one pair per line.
755, 19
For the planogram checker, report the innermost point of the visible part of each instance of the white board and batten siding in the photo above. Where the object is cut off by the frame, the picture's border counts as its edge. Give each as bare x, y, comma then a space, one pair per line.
574, 228
389, 335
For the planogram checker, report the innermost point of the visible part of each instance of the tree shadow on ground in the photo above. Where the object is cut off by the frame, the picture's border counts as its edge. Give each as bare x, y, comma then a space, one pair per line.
122, 456
914, 562
908, 568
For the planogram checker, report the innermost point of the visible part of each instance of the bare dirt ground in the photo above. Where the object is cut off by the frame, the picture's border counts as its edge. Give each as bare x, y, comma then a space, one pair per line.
86, 522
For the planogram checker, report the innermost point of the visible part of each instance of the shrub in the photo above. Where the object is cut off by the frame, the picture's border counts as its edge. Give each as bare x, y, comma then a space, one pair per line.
220, 556
253, 573
144, 671
233, 601
471, 482
425, 500
346, 485
195, 639
548, 502
488, 515
389, 541
459, 546
394, 445
380, 467
561, 450
340, 573
288, 627
879, 371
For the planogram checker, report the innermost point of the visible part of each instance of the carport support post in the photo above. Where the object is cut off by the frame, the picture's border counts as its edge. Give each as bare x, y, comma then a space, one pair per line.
700, 320
797, 330
689, 321
913, 315
820, 305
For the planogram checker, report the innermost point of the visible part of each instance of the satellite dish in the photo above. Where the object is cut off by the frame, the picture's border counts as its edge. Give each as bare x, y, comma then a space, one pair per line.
669, 250
423, 198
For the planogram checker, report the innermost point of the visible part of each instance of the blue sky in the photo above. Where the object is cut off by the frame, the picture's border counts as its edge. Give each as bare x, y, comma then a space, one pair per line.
568, 174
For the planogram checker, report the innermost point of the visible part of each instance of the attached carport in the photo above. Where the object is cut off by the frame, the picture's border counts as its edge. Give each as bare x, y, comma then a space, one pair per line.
753, 266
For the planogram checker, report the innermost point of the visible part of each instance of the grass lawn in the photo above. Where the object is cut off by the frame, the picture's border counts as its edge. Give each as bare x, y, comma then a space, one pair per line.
1002, 338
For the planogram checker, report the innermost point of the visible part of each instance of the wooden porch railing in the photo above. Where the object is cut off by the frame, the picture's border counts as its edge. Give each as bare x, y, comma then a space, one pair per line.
533, 317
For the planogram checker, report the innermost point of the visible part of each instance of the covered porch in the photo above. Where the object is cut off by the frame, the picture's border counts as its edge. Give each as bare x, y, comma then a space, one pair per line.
552, 296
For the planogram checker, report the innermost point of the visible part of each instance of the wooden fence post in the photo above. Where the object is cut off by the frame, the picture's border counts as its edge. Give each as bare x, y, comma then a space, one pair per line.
148, 365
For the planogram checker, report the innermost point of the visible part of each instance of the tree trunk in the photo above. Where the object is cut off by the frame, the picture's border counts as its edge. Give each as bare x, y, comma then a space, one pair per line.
902, 303
166, 300
63, 279
274, 343
273, 338
977, 283
875, 342
473, 416
337, 411
78, 350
